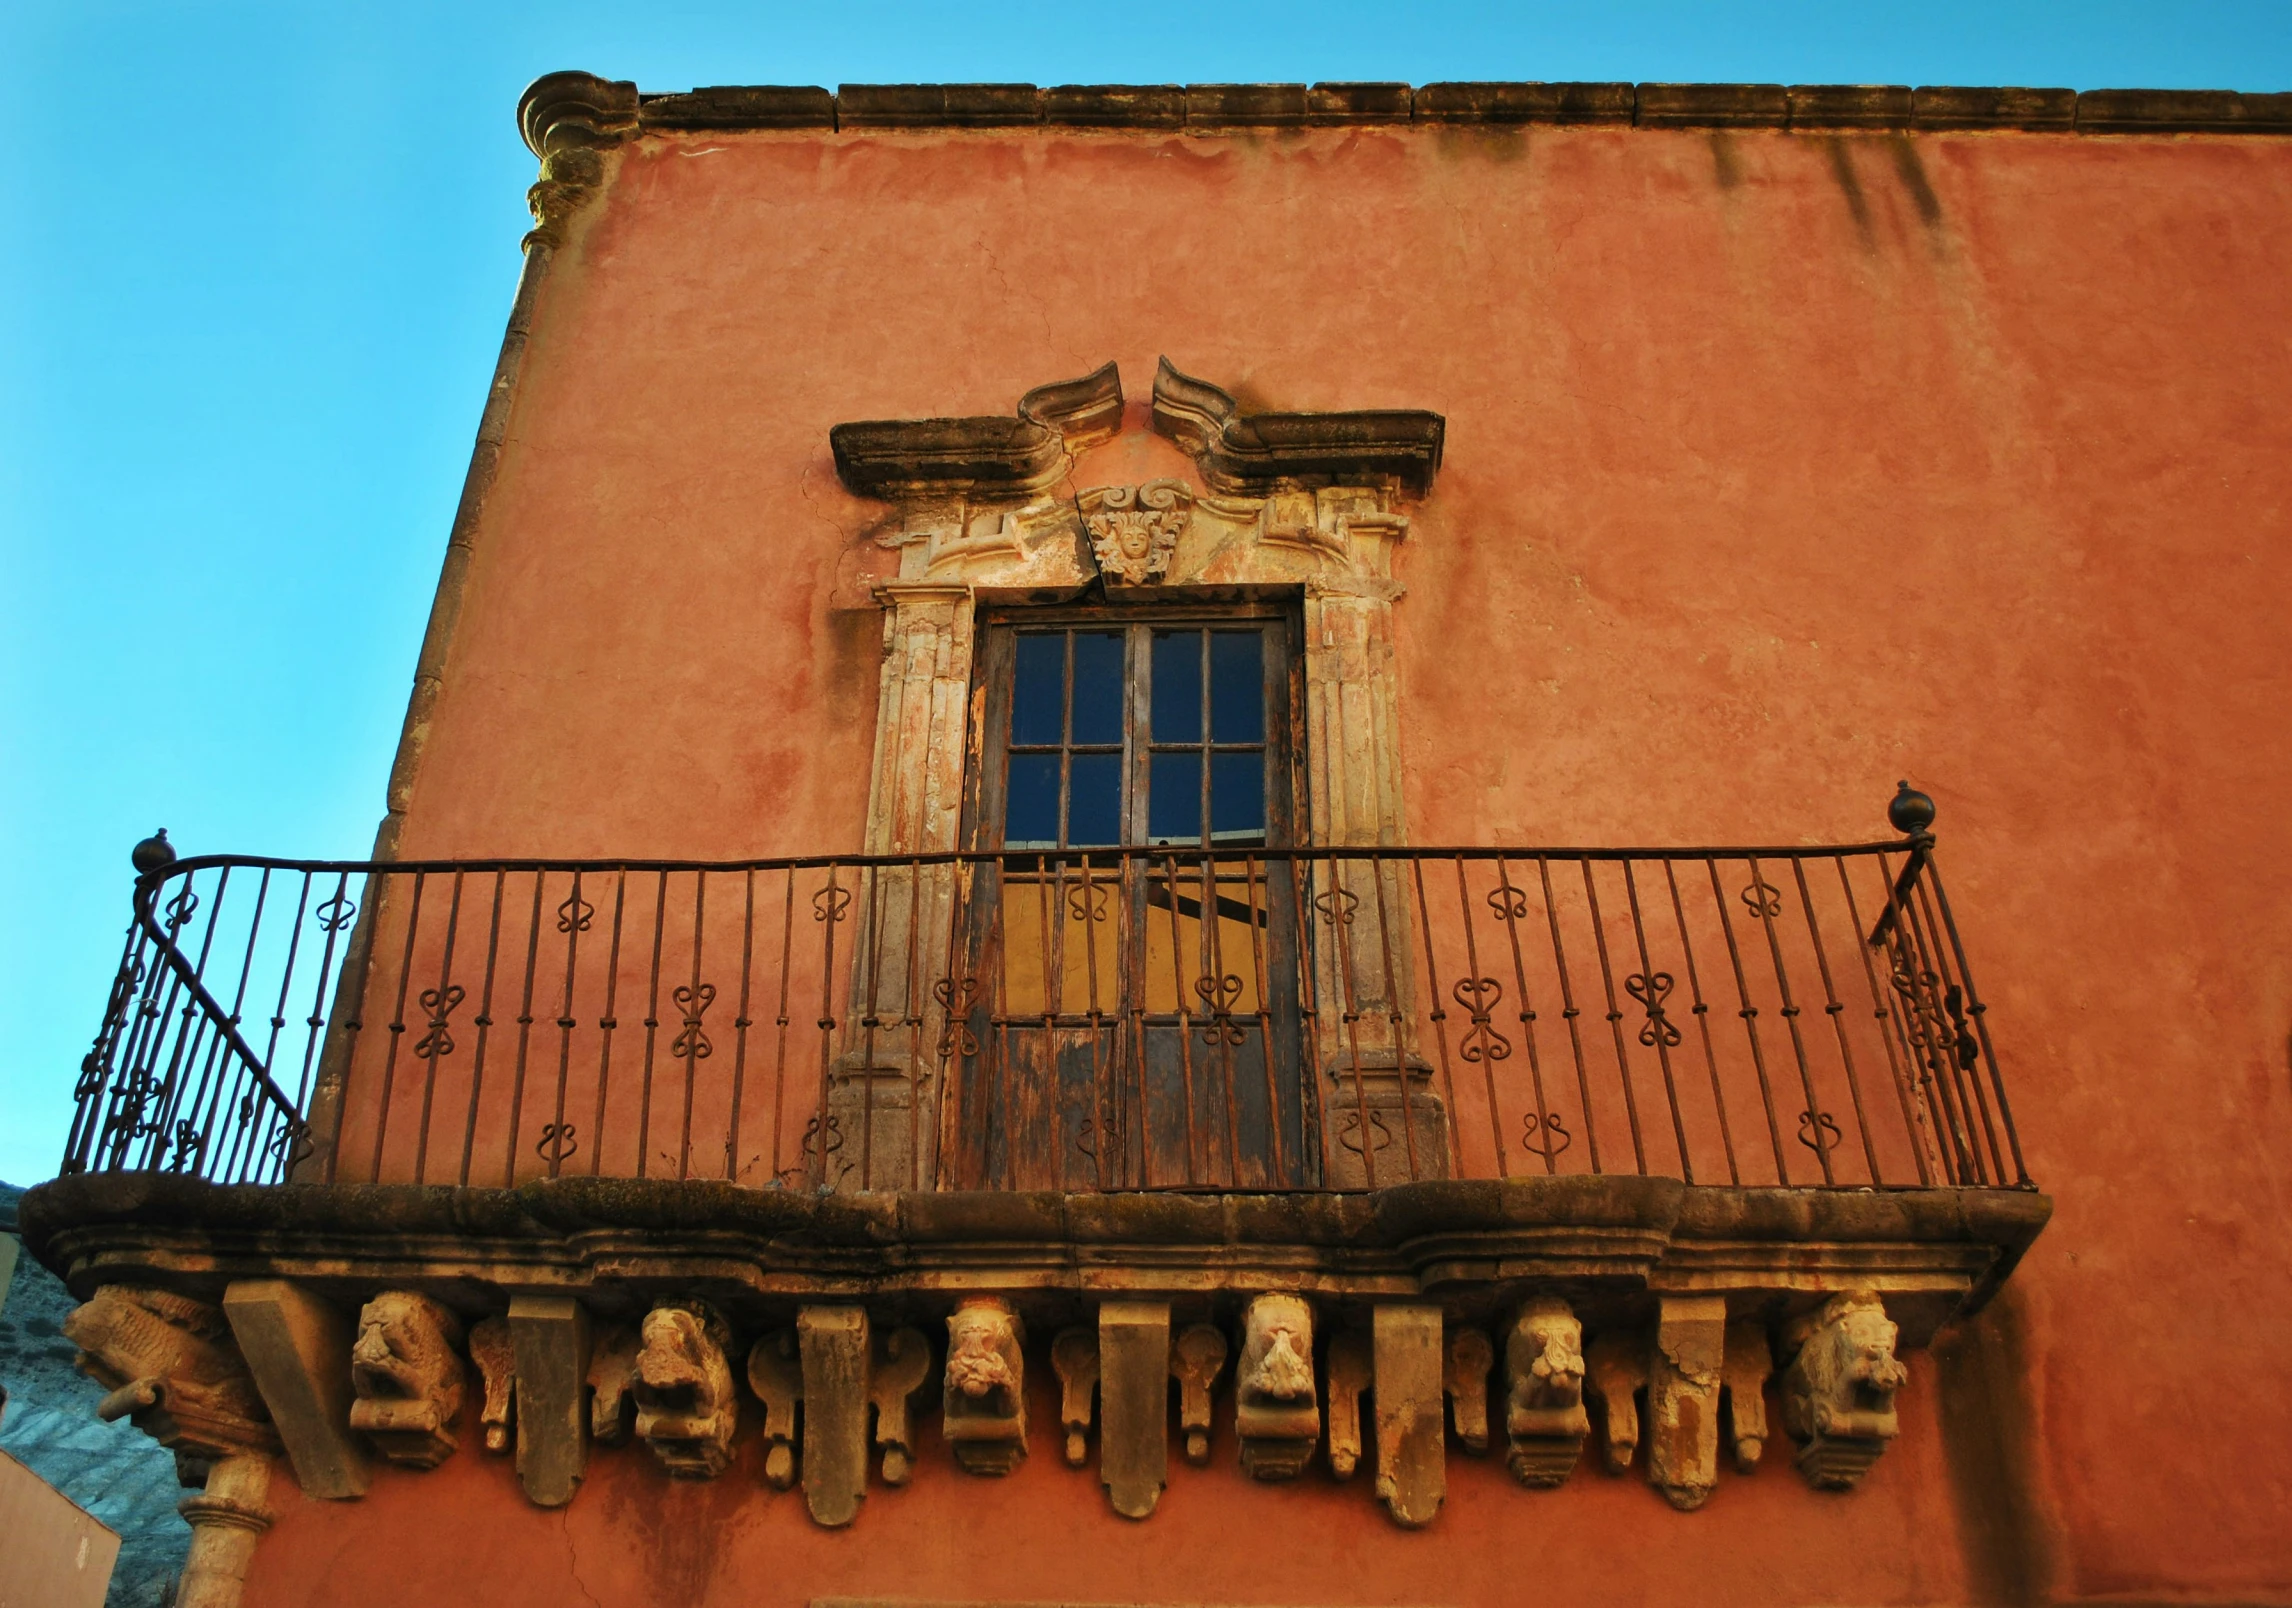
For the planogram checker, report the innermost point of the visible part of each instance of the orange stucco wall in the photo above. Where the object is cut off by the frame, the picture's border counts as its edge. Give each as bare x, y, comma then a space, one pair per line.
1777, 467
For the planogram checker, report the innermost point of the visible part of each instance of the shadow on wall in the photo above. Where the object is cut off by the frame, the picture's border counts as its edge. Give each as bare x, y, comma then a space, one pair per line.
114, 1471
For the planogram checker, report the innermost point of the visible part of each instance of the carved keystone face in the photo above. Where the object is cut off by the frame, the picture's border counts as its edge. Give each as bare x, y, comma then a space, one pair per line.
976, 1366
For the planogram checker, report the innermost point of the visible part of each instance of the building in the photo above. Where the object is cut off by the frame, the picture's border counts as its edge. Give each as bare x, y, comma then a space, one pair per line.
1000, 969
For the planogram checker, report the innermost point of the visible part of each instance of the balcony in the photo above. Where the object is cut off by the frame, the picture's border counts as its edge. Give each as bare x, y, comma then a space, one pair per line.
1675, 1121
1268, 1021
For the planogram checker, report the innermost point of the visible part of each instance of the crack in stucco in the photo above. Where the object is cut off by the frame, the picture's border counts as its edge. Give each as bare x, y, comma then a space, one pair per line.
573, 1557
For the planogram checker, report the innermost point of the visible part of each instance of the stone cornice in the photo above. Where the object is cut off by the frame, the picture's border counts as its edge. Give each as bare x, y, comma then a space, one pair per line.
1472, 1244
1209, 108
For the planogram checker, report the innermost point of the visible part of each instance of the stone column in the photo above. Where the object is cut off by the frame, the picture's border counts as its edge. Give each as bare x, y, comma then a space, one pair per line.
1383, 1122
227, 1519
879, 1087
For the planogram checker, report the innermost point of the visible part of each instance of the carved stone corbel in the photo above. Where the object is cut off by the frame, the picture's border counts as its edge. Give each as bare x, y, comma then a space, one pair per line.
1277, 1413
986, 1401
687, 1408
1465, 1367
612, 1384
1412, 1452
1134, 1404
1544, 1420
1074, 1358
227, 1518
776, 1374
1349, 1373
1683, 1398
407, 1374
1838, 1393
1744, 1378
174, 1371
1196, 1360
496, 1362
570, 120
833, 1343
1615, 1369
901, 1368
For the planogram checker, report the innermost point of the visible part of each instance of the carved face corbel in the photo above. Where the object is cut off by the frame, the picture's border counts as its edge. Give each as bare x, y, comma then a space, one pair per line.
687, 1408
173, 1371
407, 1376
1134, 530
1277, 1412
986, 1403
1838, 1394
1545, 1422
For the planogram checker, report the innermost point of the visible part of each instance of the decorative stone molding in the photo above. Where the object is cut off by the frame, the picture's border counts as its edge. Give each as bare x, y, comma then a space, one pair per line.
1302, 504
407, 1375
1134, 530
1277, 1413
1349, 1376
1465, 1367
776, 1374
901, 1370
1074, 1358
1838, 1393
1196, 1360
1615, 1369
612, 1384
173, 1371
986, 1399
1744, 1378
687, 1409
496, 1362
1400, 447
1544, 1419
227, 1518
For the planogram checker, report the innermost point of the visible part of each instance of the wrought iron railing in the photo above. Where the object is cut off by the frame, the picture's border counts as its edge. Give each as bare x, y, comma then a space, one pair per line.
1325, 1018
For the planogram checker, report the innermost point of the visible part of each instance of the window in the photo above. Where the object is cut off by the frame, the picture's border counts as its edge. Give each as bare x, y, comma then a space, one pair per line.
1132, 947
1143, 734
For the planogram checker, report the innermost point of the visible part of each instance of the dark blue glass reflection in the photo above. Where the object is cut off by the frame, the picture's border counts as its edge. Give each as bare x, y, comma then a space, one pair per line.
1237, 795
1097, 689
1094, 800
1174, 799
1030, 811
1038, 690
1177, 686
1237, 687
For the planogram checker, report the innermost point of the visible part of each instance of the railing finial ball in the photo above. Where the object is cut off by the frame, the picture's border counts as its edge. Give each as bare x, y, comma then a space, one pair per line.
1911, 811
154, 853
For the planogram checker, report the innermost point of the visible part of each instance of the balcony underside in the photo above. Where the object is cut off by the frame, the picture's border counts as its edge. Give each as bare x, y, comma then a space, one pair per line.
1612, 1244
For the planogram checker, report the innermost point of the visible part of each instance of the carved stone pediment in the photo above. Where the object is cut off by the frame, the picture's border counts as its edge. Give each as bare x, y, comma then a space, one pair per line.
408, 1376
991, 453
1134, 530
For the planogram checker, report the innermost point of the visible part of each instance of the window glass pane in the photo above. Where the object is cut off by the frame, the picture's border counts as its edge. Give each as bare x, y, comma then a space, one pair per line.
1237, 687
1237, 795
1177, 687
1097, 688
1094, 802
1174, 806
1038, 688
1030, 810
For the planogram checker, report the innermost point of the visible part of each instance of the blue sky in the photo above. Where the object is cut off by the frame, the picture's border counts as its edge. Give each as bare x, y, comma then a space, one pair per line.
253, 270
